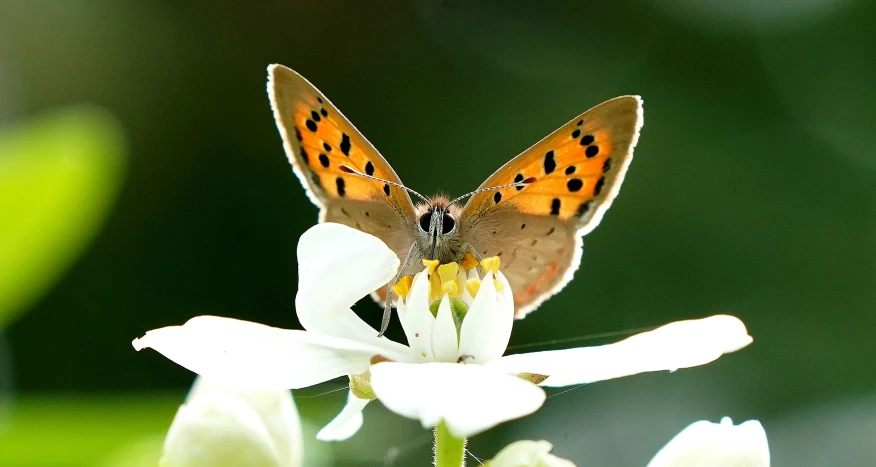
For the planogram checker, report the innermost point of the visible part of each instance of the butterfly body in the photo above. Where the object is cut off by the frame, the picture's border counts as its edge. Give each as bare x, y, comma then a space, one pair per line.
532, 212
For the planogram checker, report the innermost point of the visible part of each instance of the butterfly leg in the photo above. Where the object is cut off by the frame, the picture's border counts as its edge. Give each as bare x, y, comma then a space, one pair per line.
387, 307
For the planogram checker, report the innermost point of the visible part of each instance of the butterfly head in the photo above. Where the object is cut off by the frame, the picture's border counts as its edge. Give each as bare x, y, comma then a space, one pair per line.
437, 228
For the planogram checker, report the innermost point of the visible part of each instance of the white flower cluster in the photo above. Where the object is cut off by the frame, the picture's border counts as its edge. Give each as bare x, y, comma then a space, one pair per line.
453, 369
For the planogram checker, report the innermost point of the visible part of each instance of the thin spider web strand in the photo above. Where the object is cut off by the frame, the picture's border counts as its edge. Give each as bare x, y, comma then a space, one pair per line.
583, 338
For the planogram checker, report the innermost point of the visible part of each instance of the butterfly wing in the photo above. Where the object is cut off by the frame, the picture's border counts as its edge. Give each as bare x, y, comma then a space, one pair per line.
537, 228
318, 140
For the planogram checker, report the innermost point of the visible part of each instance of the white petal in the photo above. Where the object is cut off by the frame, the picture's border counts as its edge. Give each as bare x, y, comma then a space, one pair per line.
419, 321
682, 344
486, 328
528, 453
275, 408
704, 443
444, 340
219, 430
249, 355
346, 423
468, 398
337, 266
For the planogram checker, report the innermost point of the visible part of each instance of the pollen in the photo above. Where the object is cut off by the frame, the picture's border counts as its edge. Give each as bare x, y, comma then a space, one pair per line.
473, 285
430, 264
403, 286
447, 273
468, 261
491, 264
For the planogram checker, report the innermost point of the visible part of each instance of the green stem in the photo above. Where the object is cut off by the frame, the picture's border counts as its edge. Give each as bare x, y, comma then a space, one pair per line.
449, 451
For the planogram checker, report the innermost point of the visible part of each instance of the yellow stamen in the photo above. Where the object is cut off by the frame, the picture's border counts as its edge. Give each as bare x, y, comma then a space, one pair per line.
430, 264
403, 286
434, 287
491, 264
469, 261
447, 273
473, 285
499, 285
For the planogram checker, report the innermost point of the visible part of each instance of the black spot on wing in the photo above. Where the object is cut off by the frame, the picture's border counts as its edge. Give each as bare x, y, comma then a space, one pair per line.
497, 197
555, 207
339, 183
576, 133
314, 116
587, 140
574, 184
570, 170
345, 144
518, 179
319, 99
323, 112
311, 125
606, 166
580, 122
324, 160
583, 208
386, 188
298, 134
327, 147
598, 188
591, 151
369, 168
549, 162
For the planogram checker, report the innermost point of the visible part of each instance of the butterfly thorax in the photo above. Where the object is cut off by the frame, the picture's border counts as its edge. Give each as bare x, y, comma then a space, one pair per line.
437, 232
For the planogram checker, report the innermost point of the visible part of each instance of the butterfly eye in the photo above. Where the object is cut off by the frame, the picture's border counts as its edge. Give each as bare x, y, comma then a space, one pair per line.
447, 223
426, 221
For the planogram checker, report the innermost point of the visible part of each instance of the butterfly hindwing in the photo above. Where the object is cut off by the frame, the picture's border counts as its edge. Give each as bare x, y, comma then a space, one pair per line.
577, 172
536, 252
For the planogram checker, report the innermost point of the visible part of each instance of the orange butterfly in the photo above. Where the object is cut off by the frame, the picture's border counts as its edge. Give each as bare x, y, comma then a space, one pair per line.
532, 212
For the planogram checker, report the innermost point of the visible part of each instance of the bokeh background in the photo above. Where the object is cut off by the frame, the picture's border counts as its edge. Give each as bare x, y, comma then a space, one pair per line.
143, 182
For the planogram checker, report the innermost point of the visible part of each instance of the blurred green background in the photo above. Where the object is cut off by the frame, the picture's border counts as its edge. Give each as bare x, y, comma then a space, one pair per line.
143, 182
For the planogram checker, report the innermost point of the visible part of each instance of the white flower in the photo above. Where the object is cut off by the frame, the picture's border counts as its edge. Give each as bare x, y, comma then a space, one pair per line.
707, 444
451, 371
221, 427
528, 453
701, 444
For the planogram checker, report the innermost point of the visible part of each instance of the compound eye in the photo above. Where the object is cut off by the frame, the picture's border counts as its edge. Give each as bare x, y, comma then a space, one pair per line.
426, 221
447, 223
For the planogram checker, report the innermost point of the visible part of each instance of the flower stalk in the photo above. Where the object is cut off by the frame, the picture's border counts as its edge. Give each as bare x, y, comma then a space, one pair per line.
449, 450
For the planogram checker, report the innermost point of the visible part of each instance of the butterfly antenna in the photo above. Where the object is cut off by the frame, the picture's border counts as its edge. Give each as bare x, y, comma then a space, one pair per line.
518, 184
350, 170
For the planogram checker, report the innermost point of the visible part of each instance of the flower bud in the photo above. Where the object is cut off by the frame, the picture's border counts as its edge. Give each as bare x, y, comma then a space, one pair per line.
221, 427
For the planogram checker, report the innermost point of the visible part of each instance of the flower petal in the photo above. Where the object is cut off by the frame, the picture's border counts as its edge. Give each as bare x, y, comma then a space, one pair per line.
346, 423
337, 266
484, 329
249, 355
444, 341
468, 398
419, 321
527, 453
681, 344
721, 444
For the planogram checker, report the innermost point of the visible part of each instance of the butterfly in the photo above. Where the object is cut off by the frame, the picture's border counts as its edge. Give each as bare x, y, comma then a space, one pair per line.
532, 212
